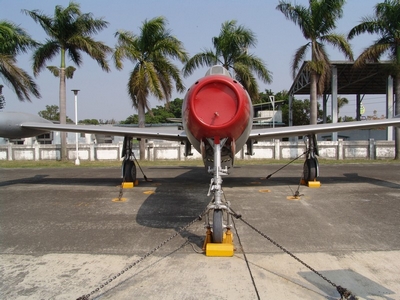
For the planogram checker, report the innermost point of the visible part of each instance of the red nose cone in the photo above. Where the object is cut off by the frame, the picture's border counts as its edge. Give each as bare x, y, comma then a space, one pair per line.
217, 105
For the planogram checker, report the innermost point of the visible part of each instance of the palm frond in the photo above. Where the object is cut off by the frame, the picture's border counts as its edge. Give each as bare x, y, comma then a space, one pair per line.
339, 41
299, 15
371, 54
298, 58
54, 70
204, 59
69, 72
20, 81
14, 39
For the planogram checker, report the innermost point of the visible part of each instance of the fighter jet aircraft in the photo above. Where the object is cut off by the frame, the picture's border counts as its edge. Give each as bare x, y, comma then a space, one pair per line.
217, 119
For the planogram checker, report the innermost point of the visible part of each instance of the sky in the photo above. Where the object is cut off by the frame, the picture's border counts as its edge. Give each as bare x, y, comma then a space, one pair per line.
104, 95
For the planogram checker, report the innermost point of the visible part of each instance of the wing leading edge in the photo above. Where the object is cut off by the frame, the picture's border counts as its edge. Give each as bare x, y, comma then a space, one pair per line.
15, 125
163, 133
279, 132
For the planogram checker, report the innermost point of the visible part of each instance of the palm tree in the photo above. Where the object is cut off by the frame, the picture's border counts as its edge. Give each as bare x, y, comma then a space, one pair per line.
386, 24
316, 23
13, 41
70, 32
231, 51
153, 72
341, 101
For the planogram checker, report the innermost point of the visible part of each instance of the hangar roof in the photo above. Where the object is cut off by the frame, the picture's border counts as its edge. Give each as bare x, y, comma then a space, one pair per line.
371, 78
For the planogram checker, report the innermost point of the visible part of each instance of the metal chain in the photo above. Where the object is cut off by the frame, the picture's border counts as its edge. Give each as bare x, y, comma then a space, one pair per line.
87, 296
121, 189
284, 166
344, 293
246, 260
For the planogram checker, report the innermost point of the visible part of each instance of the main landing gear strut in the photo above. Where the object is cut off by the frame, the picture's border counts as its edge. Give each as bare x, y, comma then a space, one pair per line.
219, 237
311, 167
128, 163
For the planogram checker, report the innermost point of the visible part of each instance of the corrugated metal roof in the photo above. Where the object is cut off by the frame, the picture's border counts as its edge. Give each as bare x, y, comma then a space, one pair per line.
369, 79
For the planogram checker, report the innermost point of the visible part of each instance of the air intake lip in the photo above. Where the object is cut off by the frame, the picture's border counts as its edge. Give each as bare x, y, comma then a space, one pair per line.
217, 105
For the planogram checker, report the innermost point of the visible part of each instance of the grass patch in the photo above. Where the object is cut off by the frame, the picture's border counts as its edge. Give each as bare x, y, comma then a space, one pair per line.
187, 163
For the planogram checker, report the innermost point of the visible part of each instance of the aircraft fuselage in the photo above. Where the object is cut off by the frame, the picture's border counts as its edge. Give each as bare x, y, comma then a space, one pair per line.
217, 108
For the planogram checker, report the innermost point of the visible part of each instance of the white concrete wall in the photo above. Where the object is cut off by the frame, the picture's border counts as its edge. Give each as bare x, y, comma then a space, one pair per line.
175, 151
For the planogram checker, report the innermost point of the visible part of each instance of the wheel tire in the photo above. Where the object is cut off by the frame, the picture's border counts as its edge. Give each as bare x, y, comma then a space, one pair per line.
129, 171
310, 169
218, 231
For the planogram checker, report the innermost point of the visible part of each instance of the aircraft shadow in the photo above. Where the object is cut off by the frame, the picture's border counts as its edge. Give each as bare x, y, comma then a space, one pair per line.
241, 176
48, 178
178, 199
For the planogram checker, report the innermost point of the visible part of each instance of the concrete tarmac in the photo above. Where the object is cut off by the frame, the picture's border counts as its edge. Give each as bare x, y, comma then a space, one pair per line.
62, 235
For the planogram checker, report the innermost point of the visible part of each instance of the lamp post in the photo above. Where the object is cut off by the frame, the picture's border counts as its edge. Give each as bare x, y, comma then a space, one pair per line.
77, 162
272, 99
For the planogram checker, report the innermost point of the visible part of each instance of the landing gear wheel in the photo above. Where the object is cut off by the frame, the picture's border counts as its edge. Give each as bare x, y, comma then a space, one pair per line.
129, 171
218, 232
310, 169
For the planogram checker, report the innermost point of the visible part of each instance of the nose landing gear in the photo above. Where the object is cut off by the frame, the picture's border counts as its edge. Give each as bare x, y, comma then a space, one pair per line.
219, 237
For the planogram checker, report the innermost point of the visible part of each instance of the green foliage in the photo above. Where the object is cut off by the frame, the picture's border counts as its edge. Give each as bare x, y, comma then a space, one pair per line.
300, 108
153, 72
231, 51
279, 97
160, 114
69, 71
346, 119
89, 122
52, 113
301, 112
316, 22
2, 101
386, 24
13, 41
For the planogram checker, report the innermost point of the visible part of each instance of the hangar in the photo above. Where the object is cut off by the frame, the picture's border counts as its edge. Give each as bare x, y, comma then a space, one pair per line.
370, 79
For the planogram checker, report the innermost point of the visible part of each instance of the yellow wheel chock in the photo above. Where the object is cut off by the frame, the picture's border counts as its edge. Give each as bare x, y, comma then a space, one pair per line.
224, 249
129, 185
314, 184
311, 184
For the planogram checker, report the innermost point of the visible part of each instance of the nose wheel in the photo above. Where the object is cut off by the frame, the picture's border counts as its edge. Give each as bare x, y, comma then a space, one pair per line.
217, 226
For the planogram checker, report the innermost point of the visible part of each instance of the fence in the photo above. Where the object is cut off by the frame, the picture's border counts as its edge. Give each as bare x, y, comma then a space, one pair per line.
276, 149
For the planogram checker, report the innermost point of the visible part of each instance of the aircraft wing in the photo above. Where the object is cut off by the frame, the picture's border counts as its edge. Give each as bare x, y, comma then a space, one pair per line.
279, 132
162, 133
18, 125
21, 125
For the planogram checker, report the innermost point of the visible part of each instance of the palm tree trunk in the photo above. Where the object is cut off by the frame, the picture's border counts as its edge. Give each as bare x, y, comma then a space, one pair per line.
63, 106
142, 143
397, 112
63, 114
313, 98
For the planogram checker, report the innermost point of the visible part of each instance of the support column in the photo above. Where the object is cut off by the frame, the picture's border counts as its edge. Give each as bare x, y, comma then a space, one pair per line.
389, 106
334, 101
324, 106
277, 149
292, 139
36, 146
290, 110
358, 107
9, 151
